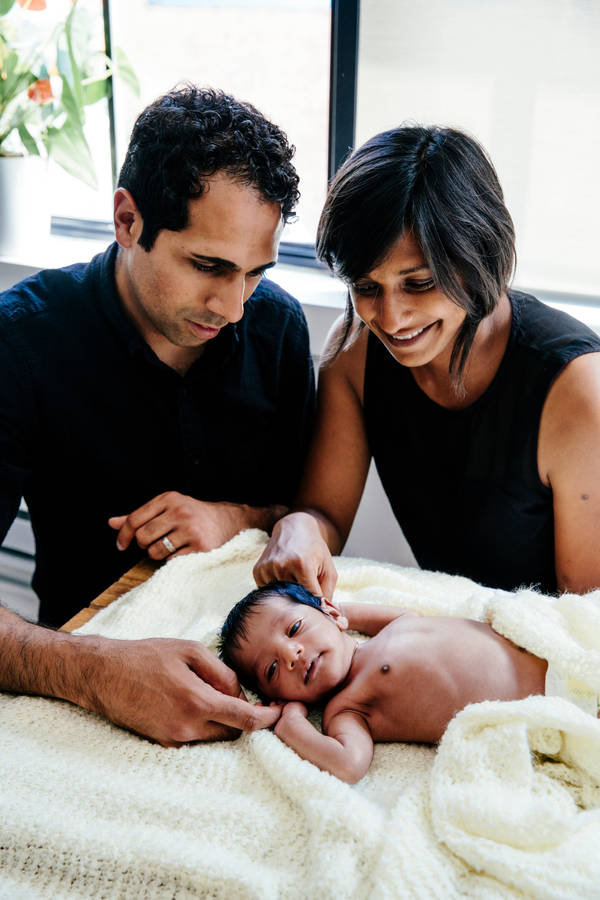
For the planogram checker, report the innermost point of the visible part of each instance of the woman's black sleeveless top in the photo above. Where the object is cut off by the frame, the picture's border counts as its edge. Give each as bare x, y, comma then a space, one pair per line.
464, 484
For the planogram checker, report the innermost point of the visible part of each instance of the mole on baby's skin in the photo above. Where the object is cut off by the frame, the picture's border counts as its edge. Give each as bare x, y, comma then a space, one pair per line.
385, 668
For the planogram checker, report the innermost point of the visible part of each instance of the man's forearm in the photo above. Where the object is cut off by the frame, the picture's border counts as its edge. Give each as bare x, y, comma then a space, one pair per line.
35, 660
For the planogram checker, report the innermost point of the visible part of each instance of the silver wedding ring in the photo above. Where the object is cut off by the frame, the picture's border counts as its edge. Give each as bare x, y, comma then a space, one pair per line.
168, 545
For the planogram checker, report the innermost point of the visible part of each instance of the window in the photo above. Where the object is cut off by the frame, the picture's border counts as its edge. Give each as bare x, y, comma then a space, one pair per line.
272, 53
524, 79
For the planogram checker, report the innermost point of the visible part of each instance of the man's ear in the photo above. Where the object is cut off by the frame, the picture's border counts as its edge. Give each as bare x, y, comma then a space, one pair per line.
331, 609
127, 218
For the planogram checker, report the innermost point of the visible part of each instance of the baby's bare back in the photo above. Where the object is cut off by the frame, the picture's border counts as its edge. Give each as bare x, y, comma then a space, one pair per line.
410, 679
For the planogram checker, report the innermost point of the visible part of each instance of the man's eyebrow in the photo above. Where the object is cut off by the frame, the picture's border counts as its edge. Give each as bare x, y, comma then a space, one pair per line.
228, 264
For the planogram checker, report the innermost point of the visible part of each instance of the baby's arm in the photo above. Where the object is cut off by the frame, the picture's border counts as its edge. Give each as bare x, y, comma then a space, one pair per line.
370, 618
346, 751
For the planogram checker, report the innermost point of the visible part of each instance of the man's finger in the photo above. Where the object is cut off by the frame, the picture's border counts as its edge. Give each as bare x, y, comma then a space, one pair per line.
243, 715
214, 731
136, 519
116, 521
213, 671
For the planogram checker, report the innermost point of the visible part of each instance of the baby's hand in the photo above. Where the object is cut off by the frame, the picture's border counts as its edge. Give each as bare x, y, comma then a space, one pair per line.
293, 709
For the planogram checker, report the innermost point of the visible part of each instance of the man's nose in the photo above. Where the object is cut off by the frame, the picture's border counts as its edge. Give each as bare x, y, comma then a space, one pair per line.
227, 301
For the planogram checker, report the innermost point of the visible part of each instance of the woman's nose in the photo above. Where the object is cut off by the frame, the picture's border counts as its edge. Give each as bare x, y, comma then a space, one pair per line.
394, 309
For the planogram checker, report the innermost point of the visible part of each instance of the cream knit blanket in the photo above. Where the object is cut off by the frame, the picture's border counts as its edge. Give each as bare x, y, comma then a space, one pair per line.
508, 806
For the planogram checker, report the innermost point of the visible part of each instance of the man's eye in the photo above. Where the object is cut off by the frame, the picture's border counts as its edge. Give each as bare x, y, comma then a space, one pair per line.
295, 628
417, 287
271, 671
204, 267
256, 274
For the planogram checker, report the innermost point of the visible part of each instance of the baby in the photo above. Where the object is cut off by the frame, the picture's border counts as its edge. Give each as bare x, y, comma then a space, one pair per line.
405, 684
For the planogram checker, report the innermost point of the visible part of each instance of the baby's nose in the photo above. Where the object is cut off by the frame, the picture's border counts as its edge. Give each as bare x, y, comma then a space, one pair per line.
294, 653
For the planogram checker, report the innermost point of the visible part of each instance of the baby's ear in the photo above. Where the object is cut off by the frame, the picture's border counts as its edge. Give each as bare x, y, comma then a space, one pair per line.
331, 609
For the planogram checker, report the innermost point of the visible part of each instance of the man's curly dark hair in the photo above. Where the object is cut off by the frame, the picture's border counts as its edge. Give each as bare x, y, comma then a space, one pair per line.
191, 133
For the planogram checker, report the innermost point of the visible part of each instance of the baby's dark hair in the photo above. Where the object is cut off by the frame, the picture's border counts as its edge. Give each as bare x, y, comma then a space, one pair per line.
189, 134
235, 629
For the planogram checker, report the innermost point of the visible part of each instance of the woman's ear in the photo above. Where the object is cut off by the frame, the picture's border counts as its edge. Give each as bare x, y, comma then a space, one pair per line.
330, 608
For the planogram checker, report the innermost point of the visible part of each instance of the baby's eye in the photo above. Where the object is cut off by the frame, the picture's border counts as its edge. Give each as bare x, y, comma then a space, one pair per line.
295, 628
271, 670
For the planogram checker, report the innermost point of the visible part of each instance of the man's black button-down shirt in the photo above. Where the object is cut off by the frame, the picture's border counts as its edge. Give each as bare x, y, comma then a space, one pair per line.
93, 424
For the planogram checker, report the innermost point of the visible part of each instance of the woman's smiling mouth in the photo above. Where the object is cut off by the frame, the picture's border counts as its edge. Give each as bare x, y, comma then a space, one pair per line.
407, 339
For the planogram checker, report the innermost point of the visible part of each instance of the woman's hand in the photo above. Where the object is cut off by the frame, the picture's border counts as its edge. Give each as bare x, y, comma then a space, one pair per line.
298, 552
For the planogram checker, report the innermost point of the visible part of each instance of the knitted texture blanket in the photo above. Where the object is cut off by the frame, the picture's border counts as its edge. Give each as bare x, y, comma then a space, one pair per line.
508, 806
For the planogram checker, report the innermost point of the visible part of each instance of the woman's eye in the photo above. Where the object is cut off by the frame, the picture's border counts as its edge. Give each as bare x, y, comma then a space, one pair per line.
271, 671
416, 287
364, 290
294, 628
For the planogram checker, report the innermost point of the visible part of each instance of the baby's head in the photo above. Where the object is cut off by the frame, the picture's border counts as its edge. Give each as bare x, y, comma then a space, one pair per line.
287, 644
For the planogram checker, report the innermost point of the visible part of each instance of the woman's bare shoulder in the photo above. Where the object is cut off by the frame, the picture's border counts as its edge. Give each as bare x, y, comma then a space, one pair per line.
348, 361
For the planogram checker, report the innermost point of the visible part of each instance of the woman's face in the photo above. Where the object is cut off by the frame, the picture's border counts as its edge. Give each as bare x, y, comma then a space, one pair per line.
400, 303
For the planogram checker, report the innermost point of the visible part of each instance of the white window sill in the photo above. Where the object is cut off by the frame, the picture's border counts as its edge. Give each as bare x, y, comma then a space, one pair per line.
324, 295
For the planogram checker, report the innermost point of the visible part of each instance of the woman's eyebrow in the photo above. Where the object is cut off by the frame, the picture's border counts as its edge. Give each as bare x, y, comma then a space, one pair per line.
401, 272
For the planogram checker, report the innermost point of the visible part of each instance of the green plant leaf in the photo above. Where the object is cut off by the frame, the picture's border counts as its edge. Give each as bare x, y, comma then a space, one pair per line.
28, 141
125, 71
75, 74
6, 6
68, 147
72, 108
94, 91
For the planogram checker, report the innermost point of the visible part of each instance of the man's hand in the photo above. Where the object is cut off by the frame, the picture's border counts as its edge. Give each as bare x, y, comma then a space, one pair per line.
172, 691
298, 552
169, 690
174, 520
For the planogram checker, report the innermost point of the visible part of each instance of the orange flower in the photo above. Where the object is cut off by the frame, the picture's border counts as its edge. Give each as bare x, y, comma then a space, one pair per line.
35, 5
40, 91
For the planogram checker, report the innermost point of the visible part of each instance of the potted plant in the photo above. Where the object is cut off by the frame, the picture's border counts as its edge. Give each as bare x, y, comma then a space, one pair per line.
49, 73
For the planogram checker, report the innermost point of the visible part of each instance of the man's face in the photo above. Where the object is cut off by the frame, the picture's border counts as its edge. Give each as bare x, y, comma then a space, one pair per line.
293, 651
194, 282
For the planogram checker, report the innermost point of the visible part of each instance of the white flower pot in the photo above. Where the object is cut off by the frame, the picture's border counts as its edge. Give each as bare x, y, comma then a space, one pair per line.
24, 205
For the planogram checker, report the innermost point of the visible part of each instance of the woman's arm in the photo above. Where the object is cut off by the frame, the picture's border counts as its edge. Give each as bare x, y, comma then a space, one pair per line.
345, 751
569, 463
370, 618
302, 543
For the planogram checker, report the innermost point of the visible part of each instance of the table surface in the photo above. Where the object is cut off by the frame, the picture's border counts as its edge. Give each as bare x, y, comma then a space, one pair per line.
139, 573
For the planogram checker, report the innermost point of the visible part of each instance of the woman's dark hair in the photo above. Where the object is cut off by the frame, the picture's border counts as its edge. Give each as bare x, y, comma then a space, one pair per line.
188, 135
438, 184
235, 628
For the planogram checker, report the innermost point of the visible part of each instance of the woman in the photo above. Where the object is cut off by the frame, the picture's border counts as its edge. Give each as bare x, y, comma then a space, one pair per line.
480, 405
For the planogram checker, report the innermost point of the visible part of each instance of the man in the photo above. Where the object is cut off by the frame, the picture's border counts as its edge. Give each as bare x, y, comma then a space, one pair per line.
156, 400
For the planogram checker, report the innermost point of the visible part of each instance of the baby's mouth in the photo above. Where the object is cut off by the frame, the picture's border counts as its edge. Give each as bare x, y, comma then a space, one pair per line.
311, 669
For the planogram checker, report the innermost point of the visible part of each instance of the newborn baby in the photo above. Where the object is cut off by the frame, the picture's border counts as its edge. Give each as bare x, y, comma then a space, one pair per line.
405, 684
